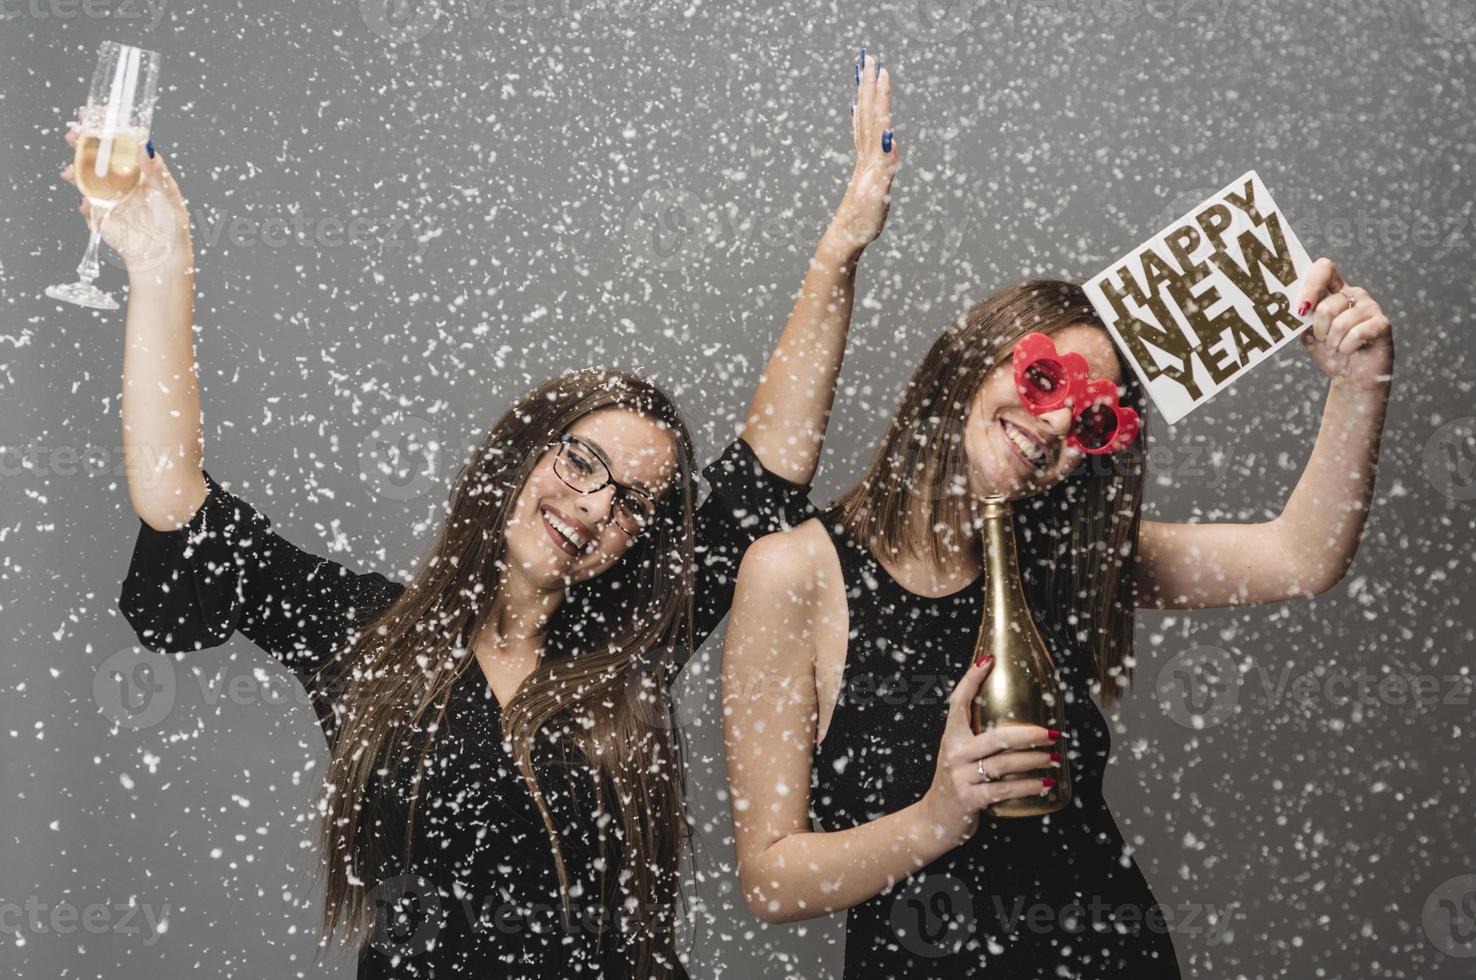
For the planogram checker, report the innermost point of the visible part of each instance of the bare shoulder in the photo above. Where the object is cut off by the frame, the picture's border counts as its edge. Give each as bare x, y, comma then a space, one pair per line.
798, 561
790, 586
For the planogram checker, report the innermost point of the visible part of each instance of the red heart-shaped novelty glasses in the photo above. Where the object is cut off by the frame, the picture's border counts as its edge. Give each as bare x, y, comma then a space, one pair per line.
1047, 380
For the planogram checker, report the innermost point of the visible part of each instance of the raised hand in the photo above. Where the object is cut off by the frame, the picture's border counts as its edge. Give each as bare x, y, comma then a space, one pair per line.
863, 210
151, 226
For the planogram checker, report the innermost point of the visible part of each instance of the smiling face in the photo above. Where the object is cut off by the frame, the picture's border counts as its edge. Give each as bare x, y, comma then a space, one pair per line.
1017, 454
557, 536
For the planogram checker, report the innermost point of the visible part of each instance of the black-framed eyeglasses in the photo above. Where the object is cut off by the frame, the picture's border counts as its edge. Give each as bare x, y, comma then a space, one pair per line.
582, 469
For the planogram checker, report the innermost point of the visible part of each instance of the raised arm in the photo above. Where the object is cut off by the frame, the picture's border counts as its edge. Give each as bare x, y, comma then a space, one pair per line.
205, 563
1310, 546
786, 420
162, 441
788, 871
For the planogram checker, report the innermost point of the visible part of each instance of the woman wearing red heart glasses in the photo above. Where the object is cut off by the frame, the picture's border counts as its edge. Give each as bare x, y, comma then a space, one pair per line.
847, 796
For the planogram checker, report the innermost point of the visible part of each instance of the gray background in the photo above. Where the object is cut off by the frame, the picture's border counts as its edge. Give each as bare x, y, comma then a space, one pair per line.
548, 184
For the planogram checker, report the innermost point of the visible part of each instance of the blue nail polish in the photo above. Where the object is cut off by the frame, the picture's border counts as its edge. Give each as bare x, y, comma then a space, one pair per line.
149, 146
878, 69
887, 141
863, 56
858, 76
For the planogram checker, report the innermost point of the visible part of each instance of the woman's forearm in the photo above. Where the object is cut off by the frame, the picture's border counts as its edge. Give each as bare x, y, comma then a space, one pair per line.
811, 874
786, 421
162, 439
1324, 517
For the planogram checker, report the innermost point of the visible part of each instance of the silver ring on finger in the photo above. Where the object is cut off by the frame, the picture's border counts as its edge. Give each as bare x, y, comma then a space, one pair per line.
984, 776
1352, 299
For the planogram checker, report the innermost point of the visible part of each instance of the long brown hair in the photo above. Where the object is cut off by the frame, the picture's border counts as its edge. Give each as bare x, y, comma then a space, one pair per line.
591, 681
1077, 540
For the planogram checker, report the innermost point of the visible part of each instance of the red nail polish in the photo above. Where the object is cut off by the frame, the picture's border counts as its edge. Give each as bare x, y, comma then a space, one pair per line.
1055, 757
1053, 733
1302, 310
982, 657
1048, 782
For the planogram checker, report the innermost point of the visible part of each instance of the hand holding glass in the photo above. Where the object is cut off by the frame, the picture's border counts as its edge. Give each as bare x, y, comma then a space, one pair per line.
114, 128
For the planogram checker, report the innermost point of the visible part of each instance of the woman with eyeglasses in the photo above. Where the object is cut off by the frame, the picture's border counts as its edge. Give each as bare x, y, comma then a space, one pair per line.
504, 791
857, 781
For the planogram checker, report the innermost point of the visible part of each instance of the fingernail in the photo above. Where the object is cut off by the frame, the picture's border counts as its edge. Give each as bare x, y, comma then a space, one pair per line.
1048, 782
982, 658
1302, 310
863, 56
853, 107
1055, 757
1053, 733
887, 141
150, 147
878, 69
858, 76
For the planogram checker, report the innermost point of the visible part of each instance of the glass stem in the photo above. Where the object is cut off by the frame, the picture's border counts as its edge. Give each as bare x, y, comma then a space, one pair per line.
88, 270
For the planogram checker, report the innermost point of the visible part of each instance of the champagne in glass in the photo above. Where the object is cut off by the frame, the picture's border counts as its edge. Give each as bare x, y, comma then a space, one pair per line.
107, 166
115, 124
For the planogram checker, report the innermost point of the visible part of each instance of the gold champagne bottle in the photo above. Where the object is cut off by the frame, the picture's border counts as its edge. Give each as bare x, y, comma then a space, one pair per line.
1022, 688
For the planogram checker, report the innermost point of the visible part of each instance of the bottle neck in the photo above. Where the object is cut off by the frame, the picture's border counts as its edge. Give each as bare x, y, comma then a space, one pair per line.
999, 555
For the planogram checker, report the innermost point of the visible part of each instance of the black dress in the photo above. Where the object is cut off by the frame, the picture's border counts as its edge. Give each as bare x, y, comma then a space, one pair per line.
1049, 897
482, 896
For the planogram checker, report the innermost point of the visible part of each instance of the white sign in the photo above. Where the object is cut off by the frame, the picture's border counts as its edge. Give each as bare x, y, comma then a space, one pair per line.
1206, 299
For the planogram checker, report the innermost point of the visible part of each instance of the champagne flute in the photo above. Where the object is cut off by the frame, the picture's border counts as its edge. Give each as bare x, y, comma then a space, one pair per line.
115, 124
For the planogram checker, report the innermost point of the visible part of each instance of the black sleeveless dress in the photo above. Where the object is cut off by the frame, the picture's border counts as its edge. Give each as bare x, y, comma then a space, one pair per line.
1050, 897
481, 895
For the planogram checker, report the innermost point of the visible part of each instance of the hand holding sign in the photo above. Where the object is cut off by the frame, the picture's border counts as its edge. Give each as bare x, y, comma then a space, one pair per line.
1351, 340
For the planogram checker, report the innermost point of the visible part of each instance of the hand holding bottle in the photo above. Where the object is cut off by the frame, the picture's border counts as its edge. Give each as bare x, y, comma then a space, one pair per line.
969, 773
